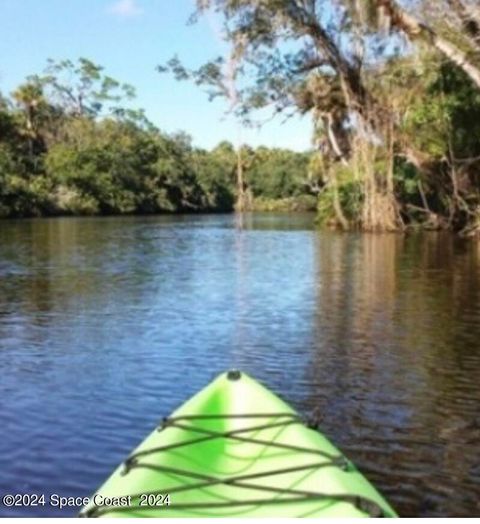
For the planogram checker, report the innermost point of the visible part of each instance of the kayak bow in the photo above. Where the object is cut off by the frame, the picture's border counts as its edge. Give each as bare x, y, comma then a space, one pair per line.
236, 450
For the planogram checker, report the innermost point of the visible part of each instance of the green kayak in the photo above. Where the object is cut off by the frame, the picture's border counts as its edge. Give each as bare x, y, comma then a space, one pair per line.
236, 450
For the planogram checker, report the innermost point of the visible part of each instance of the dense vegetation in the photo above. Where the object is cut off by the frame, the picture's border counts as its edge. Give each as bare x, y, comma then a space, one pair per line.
69, 144
393, 87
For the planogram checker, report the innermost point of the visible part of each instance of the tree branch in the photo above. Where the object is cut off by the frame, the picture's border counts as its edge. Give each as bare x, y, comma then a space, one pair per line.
415, 29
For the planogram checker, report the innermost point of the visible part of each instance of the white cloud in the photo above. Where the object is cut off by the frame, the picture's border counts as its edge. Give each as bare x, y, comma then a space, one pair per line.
125, 8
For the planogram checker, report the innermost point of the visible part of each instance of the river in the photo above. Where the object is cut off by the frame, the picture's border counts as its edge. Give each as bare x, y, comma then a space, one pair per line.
107, 324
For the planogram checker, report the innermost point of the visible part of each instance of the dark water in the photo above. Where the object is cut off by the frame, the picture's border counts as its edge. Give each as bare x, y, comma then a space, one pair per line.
108, 324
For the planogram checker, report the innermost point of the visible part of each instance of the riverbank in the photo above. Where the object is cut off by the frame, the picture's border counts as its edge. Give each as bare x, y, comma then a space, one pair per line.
68, 203
302, 203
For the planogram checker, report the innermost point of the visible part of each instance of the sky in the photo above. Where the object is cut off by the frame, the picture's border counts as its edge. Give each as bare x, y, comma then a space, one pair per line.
130, 38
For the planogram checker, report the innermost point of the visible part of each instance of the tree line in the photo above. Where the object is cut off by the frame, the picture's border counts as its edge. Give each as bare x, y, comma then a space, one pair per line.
392, 86
71, 144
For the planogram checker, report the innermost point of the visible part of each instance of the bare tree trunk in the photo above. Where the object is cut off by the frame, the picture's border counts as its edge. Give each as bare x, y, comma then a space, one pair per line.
241, 200
415, 29
390, 155
337, 205
30, 132
332, 139
337, 151
369, 220
380, 208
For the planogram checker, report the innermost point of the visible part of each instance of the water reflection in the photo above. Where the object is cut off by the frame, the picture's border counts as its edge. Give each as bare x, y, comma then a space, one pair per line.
107, 324
397, 375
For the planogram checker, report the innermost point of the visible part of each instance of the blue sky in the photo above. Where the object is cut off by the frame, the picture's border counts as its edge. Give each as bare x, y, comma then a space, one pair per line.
130, 38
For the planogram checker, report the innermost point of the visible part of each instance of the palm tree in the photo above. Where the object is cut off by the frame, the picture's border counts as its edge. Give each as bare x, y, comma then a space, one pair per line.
30, 98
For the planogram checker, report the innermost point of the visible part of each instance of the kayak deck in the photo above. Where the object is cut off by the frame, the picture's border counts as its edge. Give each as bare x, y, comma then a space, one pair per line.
236, 450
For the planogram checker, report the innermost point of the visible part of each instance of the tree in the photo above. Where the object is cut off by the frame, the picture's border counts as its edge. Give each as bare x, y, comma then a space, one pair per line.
30, 98
216, 173
82, 89
221, 78
290, 48
469, 22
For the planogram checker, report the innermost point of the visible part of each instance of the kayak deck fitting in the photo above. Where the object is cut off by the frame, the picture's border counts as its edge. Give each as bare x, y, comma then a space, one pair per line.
236, 450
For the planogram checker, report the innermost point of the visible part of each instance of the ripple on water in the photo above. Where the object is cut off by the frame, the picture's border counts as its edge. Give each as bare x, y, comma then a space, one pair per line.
108, 325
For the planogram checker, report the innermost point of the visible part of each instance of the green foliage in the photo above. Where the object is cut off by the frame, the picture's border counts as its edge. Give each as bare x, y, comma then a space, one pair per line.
301, 203
442, 128
70, 144
216, 175
278, 173
82, 89
350, 197
68, 147
20, 195
123, 169
427, 124
462, 109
